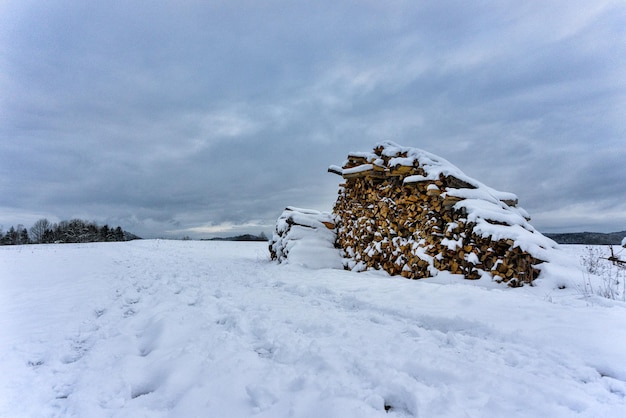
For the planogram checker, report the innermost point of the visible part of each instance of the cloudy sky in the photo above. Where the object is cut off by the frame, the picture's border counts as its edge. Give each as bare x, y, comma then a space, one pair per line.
207, 118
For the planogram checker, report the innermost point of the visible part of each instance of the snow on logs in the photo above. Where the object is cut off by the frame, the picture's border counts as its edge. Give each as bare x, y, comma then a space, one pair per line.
409, 212
305, 237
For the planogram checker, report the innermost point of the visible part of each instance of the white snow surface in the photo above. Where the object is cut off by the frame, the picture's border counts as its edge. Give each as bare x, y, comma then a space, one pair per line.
157, 328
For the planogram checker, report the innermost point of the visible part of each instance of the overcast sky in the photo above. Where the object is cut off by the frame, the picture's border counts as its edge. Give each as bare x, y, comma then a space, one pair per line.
207, 118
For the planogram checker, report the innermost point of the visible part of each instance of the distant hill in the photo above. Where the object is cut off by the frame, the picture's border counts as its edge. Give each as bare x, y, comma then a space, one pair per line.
589, 238
244, 237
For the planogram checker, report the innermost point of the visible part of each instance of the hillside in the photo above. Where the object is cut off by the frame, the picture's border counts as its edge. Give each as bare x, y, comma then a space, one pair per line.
588, 238
244, 237
200, 328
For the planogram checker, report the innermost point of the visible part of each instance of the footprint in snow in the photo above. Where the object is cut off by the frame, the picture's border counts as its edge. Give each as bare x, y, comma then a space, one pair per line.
129, 312
143, 389
131, 299
36, 362
62, 390
150, 337
129, 302
260, 397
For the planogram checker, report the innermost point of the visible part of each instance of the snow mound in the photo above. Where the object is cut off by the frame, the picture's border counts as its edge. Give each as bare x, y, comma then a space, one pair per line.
305, 237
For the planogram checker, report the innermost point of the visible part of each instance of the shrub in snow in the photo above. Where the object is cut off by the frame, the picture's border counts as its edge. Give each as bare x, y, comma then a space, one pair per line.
409, 212
306, 237
592, 258
605, 274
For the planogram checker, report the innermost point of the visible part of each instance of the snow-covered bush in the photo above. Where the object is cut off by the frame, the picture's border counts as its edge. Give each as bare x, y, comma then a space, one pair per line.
592, 259
603, 276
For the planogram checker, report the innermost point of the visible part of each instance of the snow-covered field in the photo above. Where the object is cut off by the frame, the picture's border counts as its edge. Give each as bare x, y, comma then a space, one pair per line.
214, 329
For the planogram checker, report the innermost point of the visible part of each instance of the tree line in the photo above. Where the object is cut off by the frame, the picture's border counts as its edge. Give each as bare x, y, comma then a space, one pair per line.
73, 231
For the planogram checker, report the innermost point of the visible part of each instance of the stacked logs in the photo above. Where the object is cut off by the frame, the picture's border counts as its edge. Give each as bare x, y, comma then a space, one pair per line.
305, 237
411, 213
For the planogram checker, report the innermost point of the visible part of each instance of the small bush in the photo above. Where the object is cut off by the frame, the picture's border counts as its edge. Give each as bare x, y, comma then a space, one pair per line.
603, 277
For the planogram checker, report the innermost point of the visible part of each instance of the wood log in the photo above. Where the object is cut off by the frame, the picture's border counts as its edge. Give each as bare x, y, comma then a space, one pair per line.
329, 225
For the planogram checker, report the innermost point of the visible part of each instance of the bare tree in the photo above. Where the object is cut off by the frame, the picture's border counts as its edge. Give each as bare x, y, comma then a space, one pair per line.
38, 230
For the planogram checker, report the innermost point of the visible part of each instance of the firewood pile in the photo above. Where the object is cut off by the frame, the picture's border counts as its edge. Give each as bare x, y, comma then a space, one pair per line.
305, 237
411, 213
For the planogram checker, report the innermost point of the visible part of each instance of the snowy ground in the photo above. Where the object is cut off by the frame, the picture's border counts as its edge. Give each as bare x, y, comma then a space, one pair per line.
213, 329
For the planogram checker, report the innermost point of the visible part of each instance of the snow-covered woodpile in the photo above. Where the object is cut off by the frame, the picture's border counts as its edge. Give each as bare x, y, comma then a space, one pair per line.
305, 237
409, 212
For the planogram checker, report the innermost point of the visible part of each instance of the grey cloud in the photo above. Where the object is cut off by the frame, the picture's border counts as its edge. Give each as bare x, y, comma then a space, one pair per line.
171, 116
